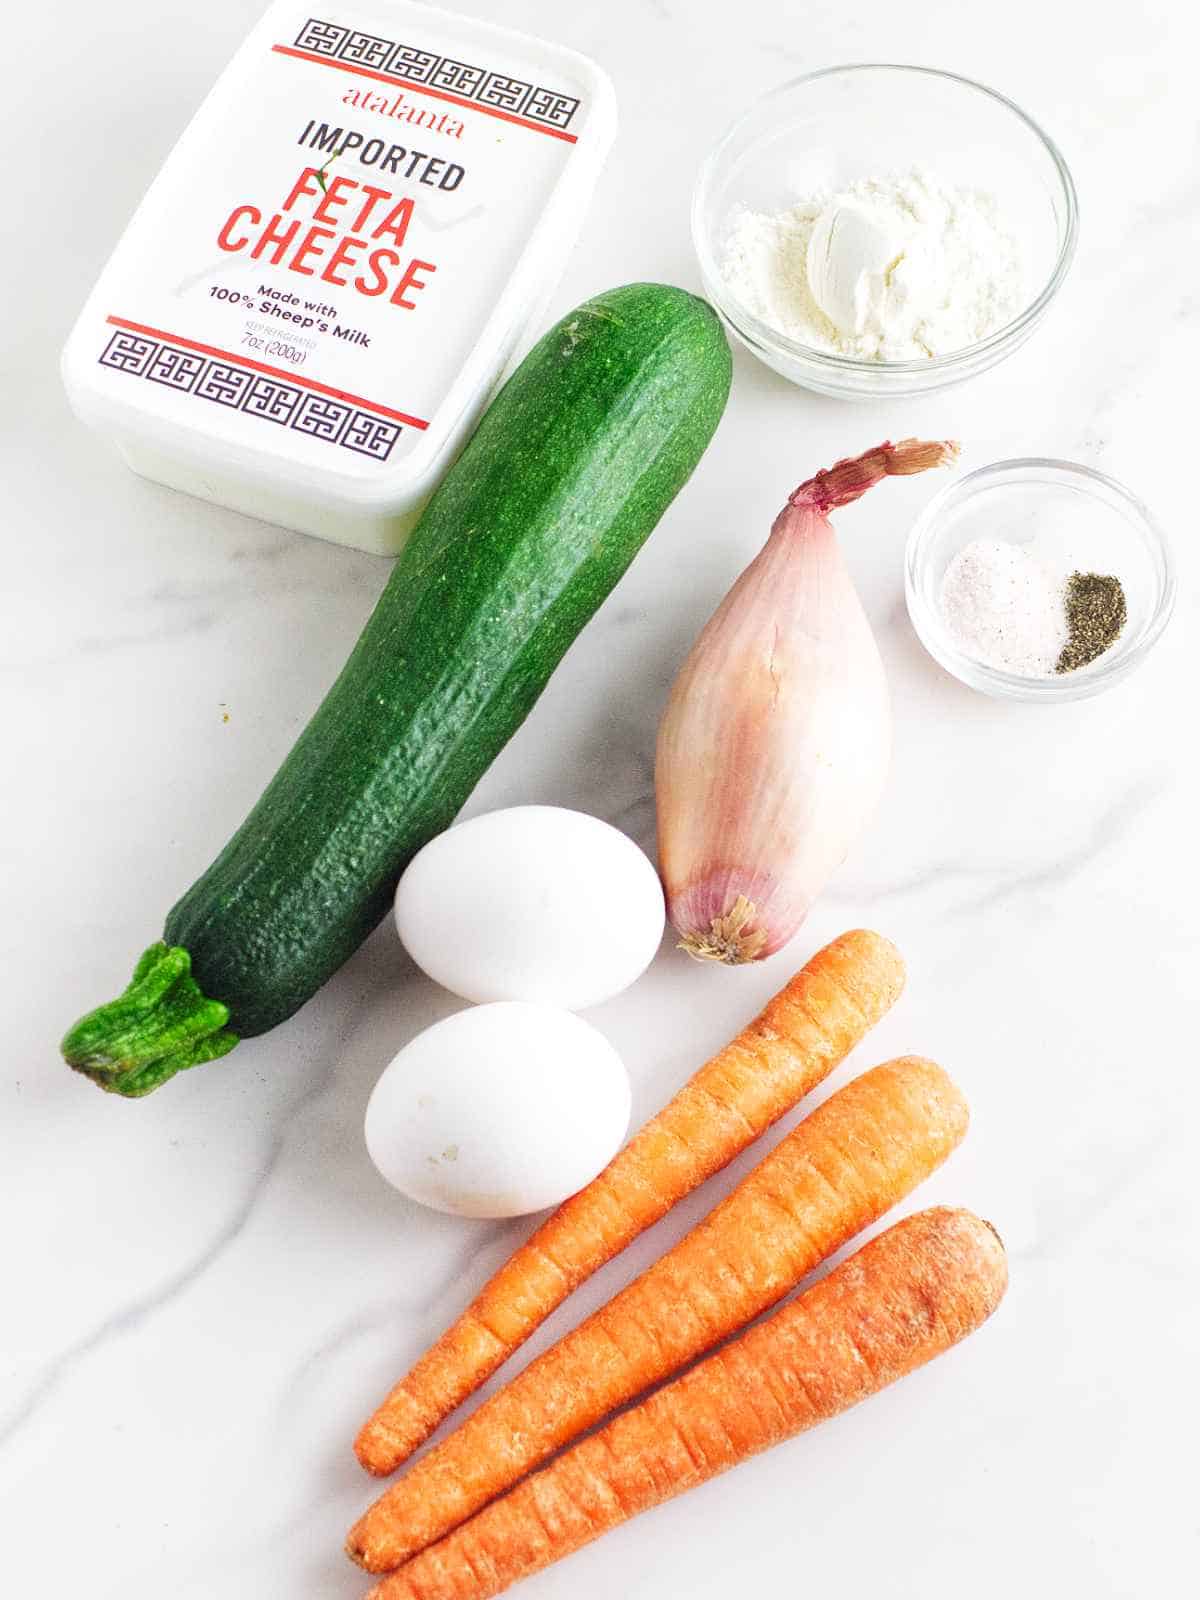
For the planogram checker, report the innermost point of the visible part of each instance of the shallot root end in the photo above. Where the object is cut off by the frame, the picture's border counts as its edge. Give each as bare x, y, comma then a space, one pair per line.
731, 939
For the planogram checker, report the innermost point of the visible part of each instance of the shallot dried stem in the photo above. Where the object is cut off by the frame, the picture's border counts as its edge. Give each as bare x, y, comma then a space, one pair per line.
844, 482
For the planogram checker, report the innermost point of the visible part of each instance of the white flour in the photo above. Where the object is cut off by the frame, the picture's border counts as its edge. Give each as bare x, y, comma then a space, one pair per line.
910, 266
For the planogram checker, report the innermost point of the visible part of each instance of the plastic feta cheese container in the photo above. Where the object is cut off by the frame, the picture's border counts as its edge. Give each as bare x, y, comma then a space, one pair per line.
324, 283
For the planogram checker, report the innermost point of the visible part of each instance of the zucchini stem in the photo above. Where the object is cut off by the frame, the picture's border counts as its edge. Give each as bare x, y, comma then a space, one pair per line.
160, 1025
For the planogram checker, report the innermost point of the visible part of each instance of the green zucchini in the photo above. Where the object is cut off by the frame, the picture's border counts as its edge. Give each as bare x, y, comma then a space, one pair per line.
566, 475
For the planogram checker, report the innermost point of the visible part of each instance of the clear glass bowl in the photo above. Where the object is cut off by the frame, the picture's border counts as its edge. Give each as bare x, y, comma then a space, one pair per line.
829, 128
1061, 504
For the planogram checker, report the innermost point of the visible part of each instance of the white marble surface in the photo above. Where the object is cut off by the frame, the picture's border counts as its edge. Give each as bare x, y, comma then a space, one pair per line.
204, 1291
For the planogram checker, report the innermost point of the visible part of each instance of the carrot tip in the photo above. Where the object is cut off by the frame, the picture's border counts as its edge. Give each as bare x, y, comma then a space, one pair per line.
375, 1455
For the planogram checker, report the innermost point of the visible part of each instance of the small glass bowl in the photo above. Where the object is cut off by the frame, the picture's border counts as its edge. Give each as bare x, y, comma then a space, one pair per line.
1056, 502
821, 132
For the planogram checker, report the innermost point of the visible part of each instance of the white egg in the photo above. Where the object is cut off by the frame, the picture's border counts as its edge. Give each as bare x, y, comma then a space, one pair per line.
532, 903
499, 1110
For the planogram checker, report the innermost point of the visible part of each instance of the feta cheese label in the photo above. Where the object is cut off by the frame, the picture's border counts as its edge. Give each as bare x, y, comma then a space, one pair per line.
326, 245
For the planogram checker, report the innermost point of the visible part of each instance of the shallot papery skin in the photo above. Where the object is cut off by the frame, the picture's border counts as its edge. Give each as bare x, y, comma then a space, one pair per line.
773, 750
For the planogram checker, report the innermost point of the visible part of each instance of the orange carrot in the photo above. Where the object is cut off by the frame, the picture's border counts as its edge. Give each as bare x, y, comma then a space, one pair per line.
838, 1171
901, 1300
805, 1031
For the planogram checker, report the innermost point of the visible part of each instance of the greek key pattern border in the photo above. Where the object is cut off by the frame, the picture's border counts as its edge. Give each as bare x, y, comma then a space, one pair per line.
405, 61
225, 382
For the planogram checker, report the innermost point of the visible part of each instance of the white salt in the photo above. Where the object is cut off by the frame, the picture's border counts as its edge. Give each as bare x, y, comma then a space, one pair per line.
1002, 606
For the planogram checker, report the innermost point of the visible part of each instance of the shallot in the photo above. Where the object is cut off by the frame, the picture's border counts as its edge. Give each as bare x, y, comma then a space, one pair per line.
774, 746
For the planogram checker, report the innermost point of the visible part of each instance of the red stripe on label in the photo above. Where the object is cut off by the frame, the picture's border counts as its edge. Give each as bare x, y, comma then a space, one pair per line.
422, 88
272, 372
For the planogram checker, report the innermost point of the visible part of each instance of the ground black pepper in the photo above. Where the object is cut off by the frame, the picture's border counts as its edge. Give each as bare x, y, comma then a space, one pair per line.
1095, 606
